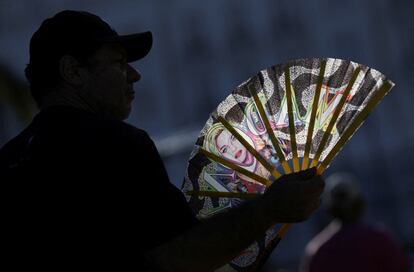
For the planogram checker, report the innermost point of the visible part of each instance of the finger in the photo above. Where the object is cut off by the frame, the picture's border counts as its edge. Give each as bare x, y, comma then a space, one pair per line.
314, 205
289, 177
308, 173
315, 185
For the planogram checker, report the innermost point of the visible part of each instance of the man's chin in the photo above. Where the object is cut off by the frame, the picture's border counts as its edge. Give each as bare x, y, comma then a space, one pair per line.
121, 113
125, 114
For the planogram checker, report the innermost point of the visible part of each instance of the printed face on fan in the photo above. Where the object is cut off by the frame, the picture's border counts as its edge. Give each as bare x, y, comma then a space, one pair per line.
232, 149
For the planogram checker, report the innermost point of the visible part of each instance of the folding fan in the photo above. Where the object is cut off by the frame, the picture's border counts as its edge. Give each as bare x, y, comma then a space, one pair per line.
287, 118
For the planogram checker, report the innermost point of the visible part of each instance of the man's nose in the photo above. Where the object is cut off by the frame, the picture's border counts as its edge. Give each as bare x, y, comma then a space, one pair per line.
133, 75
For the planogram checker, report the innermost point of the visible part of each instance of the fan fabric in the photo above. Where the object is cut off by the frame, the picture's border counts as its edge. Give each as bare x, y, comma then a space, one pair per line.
287, 118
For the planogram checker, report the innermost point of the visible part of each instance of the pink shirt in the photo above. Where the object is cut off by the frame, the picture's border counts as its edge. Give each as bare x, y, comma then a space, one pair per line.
354, 247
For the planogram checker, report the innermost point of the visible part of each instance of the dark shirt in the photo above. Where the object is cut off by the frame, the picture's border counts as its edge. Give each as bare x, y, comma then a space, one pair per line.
80, 188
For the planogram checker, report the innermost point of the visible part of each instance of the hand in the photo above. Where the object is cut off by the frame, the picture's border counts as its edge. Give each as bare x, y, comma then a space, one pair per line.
296, 196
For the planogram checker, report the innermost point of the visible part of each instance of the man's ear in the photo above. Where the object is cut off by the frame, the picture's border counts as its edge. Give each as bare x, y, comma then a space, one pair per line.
69, 69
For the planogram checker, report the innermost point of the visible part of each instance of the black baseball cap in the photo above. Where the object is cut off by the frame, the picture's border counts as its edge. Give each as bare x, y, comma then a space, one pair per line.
80, 33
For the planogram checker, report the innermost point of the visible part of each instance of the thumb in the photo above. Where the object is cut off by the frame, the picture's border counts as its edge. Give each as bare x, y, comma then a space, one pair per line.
308, 173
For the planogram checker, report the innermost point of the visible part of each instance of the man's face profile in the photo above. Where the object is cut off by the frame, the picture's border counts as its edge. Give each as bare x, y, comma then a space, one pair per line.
109, 79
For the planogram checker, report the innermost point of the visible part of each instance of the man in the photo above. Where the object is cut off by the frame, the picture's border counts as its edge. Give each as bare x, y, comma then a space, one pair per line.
348, 244
86, 188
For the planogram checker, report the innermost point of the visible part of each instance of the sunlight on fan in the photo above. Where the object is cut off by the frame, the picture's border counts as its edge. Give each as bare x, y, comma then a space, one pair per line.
287, 118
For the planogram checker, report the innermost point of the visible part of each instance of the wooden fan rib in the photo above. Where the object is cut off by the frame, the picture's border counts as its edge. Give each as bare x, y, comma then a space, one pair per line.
334, 118
261, 259
292, 131
269, 130
246, 196
283, 229
362, 116
305, 161
235, 167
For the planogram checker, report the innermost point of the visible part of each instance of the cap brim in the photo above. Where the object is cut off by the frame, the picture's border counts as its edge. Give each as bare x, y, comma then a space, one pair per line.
136, 45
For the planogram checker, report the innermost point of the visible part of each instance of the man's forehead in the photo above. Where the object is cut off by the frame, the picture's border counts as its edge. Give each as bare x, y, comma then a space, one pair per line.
111, 50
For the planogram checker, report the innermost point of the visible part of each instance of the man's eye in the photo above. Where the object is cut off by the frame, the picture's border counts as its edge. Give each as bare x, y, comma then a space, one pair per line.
121, 62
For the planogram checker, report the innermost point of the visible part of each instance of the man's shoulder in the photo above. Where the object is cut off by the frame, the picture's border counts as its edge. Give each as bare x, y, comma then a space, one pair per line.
119, 134
123, 129
65, 131
77, 125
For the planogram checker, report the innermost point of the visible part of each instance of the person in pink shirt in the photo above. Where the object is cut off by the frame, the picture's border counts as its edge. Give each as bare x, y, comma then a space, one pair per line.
347, 243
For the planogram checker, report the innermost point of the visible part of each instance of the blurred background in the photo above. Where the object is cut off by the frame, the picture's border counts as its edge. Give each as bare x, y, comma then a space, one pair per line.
202, 50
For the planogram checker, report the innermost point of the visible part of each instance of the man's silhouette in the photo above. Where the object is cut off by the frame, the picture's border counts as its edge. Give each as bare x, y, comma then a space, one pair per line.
84, 189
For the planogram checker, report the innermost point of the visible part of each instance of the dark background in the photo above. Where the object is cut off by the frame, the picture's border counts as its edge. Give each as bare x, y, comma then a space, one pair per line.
203, 49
